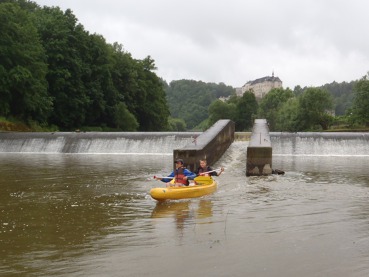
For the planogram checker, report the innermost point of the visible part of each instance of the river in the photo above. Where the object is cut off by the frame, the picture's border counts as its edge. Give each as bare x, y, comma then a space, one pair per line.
91, 215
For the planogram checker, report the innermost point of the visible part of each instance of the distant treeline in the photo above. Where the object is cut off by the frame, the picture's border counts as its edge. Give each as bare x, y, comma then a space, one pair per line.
189, 102
195, 105
342, 93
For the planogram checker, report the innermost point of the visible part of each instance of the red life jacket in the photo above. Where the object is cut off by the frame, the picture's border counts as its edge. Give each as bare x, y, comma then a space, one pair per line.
179, 176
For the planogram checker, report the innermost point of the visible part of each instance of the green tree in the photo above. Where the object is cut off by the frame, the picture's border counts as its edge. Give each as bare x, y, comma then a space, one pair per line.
271, 103
287, 119
315, 107
61, 36
190, 100
141, 89
298, 90
342, 94
153, 111
49, 61
23, 66
246, 110
176, 124
97, 58
124, 120
360, 108
221, 110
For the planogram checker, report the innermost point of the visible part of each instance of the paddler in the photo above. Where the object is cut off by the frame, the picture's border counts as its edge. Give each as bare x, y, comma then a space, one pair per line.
180, 175
205, 170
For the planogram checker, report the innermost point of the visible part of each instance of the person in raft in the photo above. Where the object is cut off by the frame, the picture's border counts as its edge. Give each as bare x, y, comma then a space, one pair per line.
204, 170
181, 175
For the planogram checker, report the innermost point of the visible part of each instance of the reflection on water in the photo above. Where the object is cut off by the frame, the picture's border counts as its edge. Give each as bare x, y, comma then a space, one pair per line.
91, 215
184, 212
203, 209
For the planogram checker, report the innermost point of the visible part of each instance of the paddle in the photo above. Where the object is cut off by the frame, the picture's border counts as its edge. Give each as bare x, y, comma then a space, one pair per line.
210, 171
161, 177
199, 179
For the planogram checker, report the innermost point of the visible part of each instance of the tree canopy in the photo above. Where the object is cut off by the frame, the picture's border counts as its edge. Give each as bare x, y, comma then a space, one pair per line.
23, 66
54, 72
190, 100
360, 107
272, 103
315, 108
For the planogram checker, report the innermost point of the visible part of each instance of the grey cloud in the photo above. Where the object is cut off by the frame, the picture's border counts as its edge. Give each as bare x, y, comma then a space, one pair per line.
307, 42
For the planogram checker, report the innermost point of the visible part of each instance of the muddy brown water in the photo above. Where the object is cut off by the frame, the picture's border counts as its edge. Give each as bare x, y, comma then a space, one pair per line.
91, 215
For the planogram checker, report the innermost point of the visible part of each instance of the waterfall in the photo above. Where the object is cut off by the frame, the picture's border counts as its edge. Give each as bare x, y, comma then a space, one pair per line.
95, 142
309, 144
320, 144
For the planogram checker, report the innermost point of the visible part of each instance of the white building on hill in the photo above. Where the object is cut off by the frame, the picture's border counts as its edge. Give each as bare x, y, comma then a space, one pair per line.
260, 87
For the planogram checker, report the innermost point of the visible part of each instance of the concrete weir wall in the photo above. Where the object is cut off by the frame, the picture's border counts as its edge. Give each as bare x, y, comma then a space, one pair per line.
94, 142
259, 151
209, 145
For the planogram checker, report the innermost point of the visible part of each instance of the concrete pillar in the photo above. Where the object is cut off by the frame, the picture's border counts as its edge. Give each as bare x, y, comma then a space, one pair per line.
209, 145
259, 151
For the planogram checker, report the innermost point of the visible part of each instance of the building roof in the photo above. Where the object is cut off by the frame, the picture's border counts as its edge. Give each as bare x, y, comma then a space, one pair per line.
264, 79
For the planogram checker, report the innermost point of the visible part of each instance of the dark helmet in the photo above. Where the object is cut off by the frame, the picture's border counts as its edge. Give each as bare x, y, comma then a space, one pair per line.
179, 161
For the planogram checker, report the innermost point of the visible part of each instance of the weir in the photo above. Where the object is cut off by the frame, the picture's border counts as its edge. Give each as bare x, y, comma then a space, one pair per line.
210, 145
320, 143
94, 142
158, 143
259, 151
190, 146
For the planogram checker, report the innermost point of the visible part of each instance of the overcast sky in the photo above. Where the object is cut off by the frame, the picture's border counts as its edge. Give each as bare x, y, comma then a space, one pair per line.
305, 42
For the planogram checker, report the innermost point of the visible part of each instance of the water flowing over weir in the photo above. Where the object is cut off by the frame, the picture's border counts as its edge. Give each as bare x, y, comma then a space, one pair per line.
320, 144
95, 142
287, 144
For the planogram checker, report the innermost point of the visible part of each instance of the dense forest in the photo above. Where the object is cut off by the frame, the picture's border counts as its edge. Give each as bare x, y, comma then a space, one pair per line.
55, 75
342, 93
189, 101
196, 106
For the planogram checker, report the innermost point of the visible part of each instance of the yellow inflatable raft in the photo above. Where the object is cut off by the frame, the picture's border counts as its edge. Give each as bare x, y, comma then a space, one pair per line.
203, 186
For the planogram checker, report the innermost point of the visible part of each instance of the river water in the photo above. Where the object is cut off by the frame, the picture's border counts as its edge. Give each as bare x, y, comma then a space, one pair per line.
91, 215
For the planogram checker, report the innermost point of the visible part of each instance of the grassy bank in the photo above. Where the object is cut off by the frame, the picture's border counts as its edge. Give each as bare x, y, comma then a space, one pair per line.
13, 126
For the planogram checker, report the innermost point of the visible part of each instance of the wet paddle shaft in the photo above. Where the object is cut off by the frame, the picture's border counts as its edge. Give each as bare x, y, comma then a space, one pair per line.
162, 177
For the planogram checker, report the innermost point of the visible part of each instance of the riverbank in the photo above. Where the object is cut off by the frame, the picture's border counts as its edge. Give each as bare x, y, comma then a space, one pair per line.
8, 125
